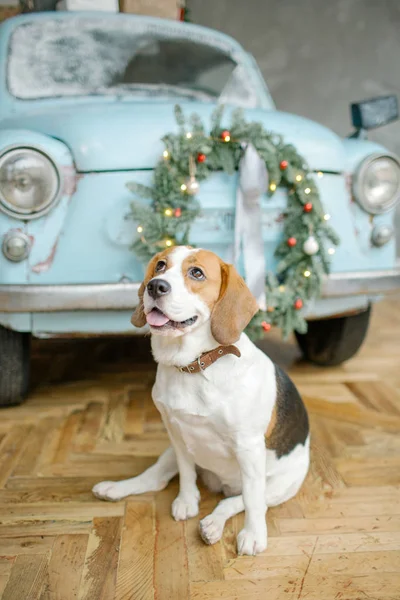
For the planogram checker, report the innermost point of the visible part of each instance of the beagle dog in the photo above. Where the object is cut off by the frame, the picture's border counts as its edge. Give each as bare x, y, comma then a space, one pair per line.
233, 417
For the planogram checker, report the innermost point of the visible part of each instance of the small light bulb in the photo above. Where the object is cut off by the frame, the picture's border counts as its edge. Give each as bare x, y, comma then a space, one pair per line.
320, 174
165, 154
168, 212
331, 250
272, 187
281, 288
183, 187
188, 135
327, 217
307, 191
139, 229
307, 273
227, 138
299, 177
168, 243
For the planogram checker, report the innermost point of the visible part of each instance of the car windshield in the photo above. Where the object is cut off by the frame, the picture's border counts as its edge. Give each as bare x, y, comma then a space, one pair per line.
80, 56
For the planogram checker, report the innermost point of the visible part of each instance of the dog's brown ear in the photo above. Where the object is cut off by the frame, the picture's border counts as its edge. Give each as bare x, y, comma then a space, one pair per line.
234, 309
138, 318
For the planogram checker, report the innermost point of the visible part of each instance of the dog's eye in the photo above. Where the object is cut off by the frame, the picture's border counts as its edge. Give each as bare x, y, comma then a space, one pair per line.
160, 266
196, 273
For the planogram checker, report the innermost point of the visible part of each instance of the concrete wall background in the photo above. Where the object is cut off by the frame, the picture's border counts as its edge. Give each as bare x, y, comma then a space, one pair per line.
317, 56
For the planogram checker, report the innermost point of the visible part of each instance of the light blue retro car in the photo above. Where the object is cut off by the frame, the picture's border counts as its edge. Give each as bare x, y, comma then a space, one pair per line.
84, 102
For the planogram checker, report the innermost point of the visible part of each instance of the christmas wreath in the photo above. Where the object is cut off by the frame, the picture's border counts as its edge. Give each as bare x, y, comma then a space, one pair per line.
190, 157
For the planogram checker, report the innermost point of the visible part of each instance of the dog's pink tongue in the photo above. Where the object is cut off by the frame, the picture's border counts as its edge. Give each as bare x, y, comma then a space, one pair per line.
156, 318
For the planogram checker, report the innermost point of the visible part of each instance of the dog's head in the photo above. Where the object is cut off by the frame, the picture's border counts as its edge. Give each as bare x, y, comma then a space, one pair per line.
184, 288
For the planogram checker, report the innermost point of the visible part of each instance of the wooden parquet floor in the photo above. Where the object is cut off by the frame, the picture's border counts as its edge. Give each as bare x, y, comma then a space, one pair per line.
90, 417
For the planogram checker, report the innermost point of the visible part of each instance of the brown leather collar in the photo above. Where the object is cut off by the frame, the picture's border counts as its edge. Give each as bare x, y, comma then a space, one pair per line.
208, 358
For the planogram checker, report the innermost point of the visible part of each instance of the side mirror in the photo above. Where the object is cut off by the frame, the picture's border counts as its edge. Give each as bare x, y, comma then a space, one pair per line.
373, 113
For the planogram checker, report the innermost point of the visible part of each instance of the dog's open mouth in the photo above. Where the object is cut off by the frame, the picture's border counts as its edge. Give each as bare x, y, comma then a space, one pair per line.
156, 318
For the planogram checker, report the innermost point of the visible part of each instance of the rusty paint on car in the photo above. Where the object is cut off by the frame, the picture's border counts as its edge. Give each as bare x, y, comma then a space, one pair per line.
70, 180
46, 264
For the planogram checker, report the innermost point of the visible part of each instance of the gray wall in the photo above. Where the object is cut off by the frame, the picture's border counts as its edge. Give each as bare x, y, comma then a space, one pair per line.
317, 56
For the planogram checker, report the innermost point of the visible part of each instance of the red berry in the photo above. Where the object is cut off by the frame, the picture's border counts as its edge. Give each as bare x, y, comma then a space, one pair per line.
266, 326
225, 134
298, 304
178, 212
201, 157
283, 165
291, 242
308, 207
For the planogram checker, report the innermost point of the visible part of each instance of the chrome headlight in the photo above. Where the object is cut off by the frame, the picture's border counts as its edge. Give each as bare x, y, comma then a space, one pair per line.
29, 183
377, 183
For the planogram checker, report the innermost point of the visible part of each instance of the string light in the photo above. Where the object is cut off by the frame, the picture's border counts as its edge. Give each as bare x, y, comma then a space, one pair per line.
307, 273
299, 177
227, 138
168, 243
307, 191
320, 174
139, 229
331, 250
188, 135
183, 187
327, 217
272, 187
165, 154
281, 288
168, 212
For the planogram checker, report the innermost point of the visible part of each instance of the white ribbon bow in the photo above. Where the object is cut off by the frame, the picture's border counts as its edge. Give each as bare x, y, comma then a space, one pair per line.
253, 183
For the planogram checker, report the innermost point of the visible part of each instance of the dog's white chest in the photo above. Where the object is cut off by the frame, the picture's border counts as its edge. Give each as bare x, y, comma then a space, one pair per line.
201, 436
196, 412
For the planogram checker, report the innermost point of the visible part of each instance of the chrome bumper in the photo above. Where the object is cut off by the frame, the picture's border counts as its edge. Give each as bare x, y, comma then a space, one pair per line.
361, 283
124, 296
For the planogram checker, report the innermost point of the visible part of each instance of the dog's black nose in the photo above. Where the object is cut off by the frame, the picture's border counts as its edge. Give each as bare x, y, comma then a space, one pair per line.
158, 287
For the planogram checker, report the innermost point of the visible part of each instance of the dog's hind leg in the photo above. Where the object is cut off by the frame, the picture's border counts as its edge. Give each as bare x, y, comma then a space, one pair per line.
210, 479
155, 478
212, 526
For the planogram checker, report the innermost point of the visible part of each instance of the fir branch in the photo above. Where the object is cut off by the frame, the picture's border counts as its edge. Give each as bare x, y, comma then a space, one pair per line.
143, 191
216, 118
179, 117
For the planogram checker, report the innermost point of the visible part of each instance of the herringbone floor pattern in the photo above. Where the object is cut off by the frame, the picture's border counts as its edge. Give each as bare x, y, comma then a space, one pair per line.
90, 417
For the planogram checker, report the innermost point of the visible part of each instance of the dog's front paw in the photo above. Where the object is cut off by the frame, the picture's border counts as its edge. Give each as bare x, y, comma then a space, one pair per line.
211, 529
185, 507
109, 490
251, 542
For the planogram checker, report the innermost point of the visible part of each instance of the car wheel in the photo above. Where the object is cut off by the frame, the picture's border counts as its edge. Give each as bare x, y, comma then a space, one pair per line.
14, 366
330, 342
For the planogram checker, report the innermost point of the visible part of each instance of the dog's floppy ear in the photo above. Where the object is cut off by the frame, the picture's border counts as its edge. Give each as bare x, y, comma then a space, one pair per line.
138, 318
234, 309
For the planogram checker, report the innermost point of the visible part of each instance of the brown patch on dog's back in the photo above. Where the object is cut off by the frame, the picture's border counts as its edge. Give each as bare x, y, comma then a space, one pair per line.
290, 418
272, 423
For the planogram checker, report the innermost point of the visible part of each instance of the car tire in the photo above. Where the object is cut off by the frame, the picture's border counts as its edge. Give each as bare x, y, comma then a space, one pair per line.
14, 366
330, 342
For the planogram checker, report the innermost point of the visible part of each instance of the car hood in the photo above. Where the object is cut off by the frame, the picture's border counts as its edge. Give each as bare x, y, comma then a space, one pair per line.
127, 135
